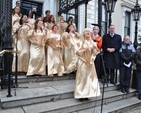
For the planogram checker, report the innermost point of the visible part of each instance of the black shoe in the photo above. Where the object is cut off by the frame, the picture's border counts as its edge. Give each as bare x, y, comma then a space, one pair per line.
112, 82
81, 99
123, 90
86, 99
127, 90
139, 97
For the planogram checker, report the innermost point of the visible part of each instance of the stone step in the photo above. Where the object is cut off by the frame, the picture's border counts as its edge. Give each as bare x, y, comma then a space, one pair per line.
73, 105
121, 106
24, 79
42, 92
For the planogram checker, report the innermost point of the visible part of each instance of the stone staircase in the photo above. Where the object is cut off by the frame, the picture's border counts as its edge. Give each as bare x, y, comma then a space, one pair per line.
55, 95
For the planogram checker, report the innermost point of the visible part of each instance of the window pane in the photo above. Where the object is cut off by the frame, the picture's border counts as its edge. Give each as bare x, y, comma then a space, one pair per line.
104, 20
127, 23
28, 5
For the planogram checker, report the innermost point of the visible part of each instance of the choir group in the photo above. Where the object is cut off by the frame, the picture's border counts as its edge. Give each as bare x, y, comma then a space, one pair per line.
43, 43
49, 47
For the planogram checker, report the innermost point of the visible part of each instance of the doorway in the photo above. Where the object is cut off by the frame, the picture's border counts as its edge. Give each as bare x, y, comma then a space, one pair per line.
28, 5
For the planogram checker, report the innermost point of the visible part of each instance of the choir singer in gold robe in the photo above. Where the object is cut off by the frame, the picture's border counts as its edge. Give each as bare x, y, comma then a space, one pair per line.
23, 51
37, 37
86, 84
72, 41
54, 55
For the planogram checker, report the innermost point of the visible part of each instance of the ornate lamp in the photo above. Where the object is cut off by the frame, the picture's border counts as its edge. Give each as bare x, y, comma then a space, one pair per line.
110, 6
136, 12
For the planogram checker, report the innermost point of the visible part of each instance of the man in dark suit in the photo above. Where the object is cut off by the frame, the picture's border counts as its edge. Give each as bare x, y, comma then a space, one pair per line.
111, 46
35, 14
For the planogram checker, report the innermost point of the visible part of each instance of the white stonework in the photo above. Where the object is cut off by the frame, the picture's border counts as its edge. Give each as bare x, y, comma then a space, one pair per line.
93, 13
127, 7
81, 19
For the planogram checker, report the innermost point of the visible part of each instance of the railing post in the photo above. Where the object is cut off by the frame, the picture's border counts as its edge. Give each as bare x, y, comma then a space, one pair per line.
7, 44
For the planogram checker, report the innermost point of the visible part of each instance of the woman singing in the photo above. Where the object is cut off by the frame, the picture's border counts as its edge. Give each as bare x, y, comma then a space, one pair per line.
86, 84
37, 37
54, 55
72, 42
22, 45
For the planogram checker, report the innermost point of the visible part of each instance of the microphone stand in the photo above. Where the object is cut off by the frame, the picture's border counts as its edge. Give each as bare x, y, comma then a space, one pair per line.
104, 80
104, 77
16, 62
105, 74
16, 59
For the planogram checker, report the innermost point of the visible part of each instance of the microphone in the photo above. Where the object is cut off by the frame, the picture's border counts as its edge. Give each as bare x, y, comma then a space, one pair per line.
96, 40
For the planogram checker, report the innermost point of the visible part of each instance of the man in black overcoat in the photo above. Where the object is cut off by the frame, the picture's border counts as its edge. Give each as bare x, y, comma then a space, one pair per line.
111, 46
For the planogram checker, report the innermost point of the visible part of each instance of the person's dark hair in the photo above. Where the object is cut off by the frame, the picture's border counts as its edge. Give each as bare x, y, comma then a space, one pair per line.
17, 2
36, 22
111, 25
67, 30
47, 11
69, 19
49, 21
27, 14
21, 21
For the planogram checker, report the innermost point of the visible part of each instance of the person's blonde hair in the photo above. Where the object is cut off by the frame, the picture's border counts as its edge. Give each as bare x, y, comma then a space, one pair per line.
83, 35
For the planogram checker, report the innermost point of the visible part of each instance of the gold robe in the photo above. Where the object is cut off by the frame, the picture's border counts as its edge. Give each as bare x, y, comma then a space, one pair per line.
72, 44
86, 84
49, 25
15, 26
23, 46
31, 21
15, 18
62, 27
37, 63
54, 56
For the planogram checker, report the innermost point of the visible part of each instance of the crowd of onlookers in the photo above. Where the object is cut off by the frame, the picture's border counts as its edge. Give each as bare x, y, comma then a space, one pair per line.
48, 47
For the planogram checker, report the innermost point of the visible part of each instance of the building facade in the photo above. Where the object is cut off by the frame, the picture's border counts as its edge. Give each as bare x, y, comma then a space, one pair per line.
87, 14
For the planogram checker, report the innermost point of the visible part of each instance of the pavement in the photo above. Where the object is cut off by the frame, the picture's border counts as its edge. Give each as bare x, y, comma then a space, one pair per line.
135, 110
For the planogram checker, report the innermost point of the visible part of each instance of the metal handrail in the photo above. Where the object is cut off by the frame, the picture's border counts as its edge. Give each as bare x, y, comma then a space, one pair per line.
8, 51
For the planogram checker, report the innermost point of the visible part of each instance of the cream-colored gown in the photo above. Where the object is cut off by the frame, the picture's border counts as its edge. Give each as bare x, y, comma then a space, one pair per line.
31, 21
54, 56
23, 46
72, 44
37, 64
86, 84
62, 27
49, 25
15, 17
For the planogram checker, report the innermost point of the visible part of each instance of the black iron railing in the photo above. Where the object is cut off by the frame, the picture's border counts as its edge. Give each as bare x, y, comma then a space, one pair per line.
66, 5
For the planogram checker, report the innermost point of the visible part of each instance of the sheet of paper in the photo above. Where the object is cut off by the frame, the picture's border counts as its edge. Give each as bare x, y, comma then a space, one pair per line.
127, 65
